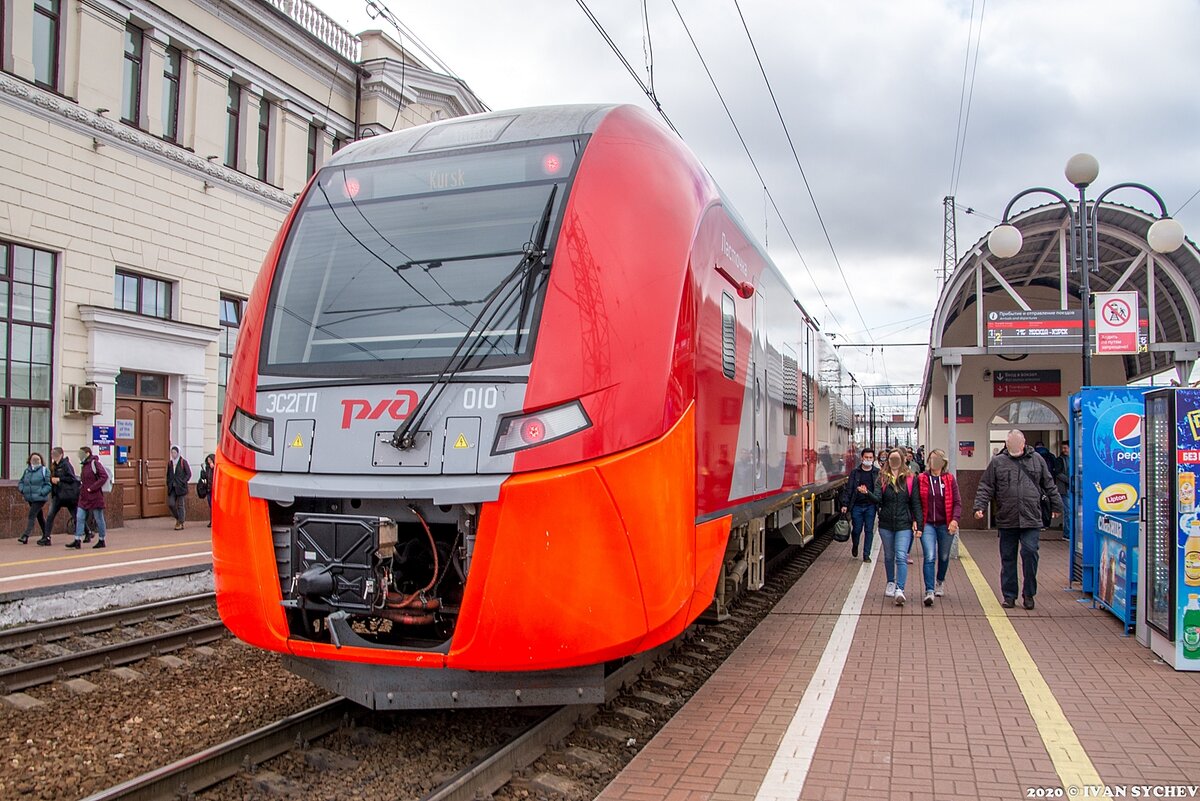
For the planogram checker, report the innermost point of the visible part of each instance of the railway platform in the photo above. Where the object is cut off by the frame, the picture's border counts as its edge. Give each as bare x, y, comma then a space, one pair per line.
140, 550
840, 695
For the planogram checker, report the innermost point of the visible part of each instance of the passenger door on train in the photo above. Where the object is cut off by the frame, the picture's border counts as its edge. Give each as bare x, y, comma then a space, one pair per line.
758, 368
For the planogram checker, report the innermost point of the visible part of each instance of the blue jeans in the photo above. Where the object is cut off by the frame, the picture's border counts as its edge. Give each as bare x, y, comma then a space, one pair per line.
935, 541
895, 554
862, 519
97, 515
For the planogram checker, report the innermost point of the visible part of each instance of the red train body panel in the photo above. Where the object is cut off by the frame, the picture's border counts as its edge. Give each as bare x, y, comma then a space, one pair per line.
688, 377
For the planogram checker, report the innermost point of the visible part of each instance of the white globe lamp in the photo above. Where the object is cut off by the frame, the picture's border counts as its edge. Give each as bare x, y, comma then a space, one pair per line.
1082, 169
1165, 235
1004, 241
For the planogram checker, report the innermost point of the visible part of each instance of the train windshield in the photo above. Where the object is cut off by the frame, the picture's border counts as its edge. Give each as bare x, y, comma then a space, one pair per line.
389, 264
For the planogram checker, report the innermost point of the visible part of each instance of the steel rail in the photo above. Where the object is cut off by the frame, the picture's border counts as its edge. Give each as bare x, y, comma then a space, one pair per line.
497, 769
44, 671
213, 765
38, 633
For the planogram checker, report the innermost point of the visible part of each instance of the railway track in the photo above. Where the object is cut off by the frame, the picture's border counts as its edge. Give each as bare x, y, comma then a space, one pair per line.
17, 673
691, 658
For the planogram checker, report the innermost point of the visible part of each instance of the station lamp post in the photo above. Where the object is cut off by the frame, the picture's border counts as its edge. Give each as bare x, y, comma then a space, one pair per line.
1165, 234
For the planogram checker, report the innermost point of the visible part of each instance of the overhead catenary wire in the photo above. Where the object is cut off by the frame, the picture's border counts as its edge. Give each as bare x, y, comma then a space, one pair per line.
754, 164
791, 144
646, 88
965, 115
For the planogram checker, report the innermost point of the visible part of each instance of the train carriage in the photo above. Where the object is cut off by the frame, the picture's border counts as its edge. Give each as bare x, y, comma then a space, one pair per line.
516, 395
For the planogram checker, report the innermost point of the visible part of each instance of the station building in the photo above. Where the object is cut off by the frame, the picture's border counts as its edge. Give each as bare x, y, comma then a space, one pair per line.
1001, 379
150, 151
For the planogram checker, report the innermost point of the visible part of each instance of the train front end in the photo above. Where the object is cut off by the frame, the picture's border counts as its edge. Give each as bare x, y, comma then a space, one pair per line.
425, 497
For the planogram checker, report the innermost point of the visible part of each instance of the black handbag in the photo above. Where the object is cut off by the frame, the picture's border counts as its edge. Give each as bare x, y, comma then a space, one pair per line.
1043, 499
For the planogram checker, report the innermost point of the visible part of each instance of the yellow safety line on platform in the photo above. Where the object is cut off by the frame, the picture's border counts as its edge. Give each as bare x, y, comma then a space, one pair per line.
1071, 762
110, 550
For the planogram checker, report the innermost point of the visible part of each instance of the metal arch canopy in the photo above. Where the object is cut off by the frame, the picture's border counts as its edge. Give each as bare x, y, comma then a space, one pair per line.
1168, 284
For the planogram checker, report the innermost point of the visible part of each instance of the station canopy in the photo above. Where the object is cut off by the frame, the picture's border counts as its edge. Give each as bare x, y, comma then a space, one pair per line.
1167, 284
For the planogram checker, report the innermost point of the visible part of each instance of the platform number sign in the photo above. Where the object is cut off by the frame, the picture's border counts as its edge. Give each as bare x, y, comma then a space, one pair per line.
1116, 322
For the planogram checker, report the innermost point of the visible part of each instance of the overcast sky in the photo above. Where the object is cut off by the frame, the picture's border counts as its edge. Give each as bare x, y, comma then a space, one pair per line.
870, 90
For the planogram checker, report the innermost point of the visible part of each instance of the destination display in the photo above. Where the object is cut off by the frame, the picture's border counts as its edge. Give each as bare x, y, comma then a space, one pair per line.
1023, 331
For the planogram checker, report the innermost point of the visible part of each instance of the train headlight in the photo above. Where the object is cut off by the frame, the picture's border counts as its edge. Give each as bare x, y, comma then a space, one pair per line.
256, 433
519, 431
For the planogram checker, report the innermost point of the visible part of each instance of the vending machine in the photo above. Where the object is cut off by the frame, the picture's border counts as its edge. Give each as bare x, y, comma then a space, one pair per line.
1170, 530
1106, 455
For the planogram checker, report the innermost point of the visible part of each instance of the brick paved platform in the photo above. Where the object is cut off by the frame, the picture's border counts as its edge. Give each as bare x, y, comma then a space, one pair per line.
139, 549
928, 704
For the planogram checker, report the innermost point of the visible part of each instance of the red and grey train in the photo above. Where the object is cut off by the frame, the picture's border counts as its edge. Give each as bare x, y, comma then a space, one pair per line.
515, 395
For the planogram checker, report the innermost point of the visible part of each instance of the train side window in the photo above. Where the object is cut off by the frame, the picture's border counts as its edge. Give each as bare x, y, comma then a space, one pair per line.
728, 336
791, 400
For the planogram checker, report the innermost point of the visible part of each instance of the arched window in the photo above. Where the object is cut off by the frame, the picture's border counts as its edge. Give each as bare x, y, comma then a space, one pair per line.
1027, 412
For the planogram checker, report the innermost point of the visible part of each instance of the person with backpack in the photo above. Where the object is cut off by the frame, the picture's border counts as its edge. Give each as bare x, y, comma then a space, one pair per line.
63, 495
92, 479
179, 473
34, 487
204, 483
943, 507
860, 498
899, 519
1018, 479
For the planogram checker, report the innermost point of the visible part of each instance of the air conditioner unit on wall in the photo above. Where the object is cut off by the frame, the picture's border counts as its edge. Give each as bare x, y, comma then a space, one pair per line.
83, 399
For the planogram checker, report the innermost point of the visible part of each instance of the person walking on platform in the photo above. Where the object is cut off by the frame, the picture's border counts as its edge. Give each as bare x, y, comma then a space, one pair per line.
204, 484
899, 518
860, 498
1017, 479
64, 493
943, 507
179, 473
34, 487
92, 478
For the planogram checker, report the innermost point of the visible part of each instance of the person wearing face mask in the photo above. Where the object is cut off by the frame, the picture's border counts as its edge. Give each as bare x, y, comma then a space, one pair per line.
943, 507
34, 487
899, 519
1017, 478
860, 498
92, 478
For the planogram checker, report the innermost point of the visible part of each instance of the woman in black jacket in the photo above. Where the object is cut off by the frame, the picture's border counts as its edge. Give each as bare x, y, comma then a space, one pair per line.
899, 519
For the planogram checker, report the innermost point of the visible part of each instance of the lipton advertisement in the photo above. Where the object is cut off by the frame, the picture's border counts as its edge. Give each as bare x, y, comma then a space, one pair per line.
1112, 451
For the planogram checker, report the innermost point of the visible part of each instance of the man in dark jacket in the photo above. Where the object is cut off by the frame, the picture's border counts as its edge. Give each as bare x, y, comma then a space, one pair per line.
860, 497
1017, 478
179, 473
64, 491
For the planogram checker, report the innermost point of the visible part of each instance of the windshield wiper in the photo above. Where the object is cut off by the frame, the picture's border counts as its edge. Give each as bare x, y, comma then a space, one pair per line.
535, 254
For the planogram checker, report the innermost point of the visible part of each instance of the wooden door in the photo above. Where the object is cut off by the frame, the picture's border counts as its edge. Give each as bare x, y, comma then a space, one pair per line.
128, 475
143, 477
156, 453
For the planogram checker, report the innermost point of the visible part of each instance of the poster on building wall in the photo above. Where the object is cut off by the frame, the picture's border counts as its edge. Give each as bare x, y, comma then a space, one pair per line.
964, 406
966, 447
1026, 383
1023, 331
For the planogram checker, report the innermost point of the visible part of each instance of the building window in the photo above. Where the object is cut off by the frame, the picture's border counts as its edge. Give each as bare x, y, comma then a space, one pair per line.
233, 115
172, 70
131, 103
231, 323
314, 139
45, 42
338, 142
26, 345
141, 294
141, 385
264, 138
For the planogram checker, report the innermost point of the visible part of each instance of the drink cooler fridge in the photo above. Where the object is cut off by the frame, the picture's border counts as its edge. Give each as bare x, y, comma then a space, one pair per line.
1169, 572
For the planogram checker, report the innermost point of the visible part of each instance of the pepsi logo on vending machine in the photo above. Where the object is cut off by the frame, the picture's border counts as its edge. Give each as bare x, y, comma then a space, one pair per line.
1117, 441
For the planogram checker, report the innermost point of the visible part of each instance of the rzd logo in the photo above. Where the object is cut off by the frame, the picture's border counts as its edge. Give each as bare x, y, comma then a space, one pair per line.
397, 408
